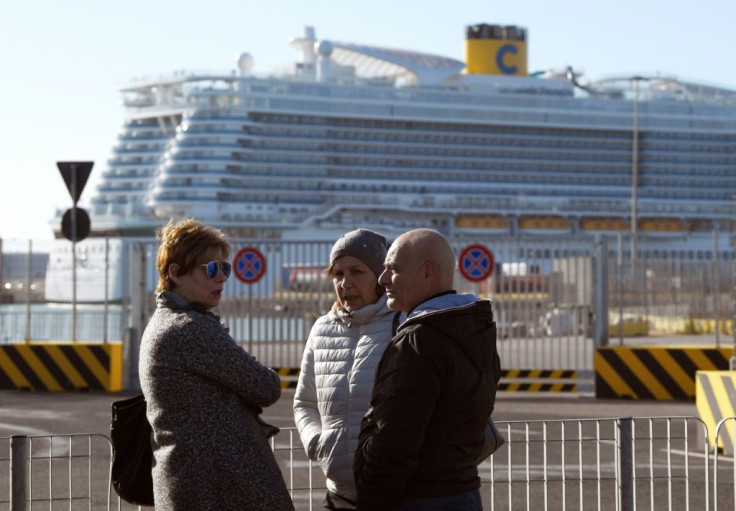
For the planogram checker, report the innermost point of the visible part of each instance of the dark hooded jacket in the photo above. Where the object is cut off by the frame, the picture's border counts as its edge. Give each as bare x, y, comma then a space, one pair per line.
435, 388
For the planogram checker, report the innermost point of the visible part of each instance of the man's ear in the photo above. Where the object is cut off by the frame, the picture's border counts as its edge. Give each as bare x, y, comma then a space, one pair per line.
427, 269
174, 273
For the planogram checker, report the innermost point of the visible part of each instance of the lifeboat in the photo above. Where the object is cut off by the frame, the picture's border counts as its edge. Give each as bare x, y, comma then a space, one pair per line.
604, 224
484, 223
544, 225
663, 225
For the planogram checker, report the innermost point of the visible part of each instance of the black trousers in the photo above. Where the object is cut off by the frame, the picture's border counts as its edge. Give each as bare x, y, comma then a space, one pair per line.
334, 502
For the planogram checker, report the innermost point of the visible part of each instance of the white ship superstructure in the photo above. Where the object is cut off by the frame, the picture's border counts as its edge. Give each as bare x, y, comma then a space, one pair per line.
355, 135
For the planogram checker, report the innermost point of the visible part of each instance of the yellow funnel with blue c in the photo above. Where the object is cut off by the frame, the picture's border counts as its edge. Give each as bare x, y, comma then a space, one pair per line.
496, 50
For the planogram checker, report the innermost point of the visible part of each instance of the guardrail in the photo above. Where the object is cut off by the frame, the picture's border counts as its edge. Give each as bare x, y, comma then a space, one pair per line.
608, 463
724, 467
73, 469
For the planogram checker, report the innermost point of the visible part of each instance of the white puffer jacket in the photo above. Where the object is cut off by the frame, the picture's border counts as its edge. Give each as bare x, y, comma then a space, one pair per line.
335, 385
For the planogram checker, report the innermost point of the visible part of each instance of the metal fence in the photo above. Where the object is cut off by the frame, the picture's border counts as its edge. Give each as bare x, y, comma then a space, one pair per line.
554, 297
623, 463
541, 289
73, 472
724, 472
608, 463
672, 292
57, 472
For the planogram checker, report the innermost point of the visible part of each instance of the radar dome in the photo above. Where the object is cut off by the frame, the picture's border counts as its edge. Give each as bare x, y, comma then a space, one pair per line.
245, 63
323, 48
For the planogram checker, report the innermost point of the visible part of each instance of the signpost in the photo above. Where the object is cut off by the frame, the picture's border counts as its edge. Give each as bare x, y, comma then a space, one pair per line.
249, 267
476, 263
75, 224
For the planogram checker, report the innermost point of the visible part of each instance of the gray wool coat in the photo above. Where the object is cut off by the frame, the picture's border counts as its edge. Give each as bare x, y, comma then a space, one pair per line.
204, 394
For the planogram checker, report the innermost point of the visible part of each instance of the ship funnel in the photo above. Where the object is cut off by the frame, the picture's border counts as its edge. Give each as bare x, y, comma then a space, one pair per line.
495, 50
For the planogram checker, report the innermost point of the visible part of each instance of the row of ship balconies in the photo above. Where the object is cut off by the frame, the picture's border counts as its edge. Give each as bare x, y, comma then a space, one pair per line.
414, 168
417, 166
552, 139
493, 148
594, 162
383, 180
279, 124
687, 151
496, 201
296, 136
665, 181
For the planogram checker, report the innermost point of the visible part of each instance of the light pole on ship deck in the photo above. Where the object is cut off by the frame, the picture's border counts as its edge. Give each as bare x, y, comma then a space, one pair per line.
635, 174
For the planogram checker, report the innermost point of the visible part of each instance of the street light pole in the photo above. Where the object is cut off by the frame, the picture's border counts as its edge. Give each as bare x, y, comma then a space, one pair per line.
635, 173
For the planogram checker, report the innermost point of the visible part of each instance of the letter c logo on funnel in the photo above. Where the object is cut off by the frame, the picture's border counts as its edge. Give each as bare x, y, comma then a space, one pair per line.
502, 51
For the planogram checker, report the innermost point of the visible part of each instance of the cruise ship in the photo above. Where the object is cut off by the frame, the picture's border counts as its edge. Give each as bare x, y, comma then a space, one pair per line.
354, 135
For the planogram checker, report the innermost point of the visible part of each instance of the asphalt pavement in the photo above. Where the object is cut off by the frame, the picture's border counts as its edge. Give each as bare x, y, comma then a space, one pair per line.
44, 413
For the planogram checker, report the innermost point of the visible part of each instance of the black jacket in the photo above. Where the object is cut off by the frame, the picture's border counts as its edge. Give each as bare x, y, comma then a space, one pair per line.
435, 388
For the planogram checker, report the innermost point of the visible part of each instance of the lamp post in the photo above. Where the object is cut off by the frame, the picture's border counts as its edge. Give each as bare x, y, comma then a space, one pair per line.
635, 173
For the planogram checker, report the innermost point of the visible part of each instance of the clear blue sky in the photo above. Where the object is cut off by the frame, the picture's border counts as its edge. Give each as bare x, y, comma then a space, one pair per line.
61, 61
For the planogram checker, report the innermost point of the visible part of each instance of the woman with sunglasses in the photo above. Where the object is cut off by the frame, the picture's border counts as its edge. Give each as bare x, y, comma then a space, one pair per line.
204, 392
339, 362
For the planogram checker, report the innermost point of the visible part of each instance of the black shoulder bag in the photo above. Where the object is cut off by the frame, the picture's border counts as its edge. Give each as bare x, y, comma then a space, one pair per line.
132, 455
492, 440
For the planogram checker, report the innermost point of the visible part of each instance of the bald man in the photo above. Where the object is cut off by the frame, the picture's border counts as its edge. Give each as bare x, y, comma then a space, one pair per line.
434, 390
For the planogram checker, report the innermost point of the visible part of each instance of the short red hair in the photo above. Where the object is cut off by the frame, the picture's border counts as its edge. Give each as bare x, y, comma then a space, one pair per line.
183, 243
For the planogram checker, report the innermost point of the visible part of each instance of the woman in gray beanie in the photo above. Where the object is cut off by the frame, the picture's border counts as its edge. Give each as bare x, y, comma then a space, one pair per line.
339, 362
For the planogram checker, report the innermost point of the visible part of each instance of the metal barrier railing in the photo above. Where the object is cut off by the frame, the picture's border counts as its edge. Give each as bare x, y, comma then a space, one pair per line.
615, 463
541, 287
554, 290
72, 469
723, 495
304, 479
75, 469
608, 463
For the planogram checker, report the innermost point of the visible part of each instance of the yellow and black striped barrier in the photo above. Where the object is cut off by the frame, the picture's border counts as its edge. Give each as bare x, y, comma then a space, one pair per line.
513, 380
61, 366
665, 373
715, 399
289, 376
538, 380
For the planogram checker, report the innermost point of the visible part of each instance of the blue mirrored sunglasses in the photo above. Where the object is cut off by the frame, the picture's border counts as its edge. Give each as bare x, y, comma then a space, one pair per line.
212, 267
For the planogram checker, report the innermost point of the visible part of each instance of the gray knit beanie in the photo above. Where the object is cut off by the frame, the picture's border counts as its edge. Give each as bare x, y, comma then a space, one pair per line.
363, 244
